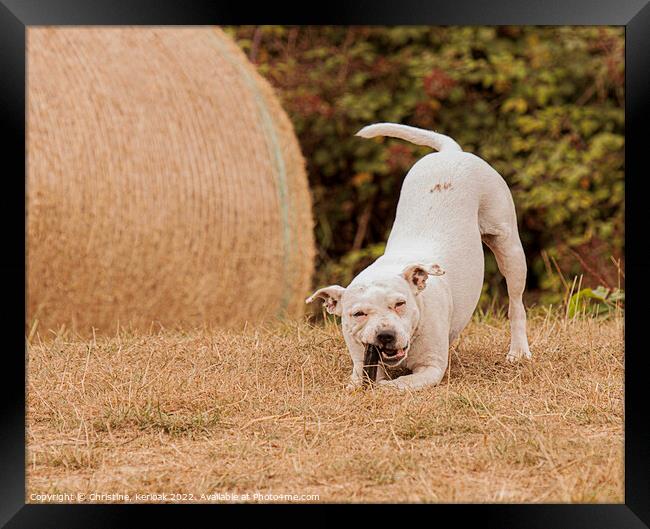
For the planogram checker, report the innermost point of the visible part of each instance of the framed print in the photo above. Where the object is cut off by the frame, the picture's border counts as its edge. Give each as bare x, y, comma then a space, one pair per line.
372, 257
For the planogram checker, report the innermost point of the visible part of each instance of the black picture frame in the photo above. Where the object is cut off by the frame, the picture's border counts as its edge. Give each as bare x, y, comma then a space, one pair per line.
17, 15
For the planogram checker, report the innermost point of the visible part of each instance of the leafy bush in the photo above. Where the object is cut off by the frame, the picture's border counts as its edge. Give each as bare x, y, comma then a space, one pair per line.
543, 105
598, 301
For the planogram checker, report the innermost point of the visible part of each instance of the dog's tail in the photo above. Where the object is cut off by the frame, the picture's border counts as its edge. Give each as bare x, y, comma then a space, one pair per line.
440, 142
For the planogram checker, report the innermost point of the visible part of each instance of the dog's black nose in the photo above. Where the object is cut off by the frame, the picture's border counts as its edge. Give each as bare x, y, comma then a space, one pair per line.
386, 338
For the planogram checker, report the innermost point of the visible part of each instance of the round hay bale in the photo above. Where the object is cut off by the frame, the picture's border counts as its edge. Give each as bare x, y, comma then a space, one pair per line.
165, 183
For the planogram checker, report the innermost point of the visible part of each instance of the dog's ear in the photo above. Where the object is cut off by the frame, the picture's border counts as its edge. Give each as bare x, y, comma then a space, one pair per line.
331, 297
417, 274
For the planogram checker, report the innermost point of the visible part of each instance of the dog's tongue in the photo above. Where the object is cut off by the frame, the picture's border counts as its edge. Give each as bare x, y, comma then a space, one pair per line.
400, 353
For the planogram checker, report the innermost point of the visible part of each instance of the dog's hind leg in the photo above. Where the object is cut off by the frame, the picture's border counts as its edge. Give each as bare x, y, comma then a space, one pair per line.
507, 249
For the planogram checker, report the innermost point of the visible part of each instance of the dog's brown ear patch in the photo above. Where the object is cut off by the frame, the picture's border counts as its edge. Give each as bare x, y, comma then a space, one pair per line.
417, 274
331, 297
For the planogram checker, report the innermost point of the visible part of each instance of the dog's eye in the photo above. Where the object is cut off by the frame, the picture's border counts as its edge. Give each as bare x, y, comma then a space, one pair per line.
400, 304
359, 314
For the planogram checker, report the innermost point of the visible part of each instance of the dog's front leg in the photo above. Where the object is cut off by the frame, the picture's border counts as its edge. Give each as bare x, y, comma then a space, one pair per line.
422, 376
357, 355
356, 379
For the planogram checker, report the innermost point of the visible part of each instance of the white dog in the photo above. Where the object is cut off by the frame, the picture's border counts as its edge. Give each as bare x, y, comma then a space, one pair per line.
414, 300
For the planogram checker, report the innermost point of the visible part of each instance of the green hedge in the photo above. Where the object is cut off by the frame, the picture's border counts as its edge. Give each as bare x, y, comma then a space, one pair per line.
543, 105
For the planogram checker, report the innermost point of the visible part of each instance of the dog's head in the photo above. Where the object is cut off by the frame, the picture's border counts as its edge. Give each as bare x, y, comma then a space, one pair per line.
382, 313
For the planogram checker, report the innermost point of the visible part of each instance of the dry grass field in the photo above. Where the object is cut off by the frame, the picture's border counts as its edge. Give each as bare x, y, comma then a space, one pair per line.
265, 411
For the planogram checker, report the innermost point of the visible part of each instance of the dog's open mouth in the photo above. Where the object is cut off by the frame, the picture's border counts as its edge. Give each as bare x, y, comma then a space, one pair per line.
392, 356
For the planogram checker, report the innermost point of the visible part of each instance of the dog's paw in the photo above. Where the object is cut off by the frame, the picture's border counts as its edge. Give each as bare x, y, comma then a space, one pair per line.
517, 353
393, 385
354, 385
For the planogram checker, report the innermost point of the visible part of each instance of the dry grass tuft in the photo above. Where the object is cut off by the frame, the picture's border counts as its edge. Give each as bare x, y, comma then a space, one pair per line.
265, 411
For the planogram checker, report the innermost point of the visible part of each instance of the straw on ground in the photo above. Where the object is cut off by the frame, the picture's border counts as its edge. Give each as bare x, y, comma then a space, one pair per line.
264, 410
